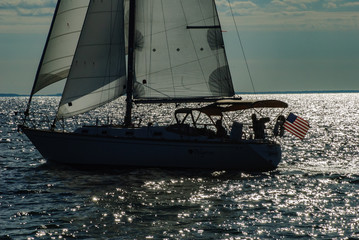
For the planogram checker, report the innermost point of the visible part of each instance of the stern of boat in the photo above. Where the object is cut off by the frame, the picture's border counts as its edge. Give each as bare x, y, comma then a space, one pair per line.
270, 154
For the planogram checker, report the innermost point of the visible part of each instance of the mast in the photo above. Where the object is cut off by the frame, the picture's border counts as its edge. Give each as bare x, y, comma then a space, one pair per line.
131, 65
41, 61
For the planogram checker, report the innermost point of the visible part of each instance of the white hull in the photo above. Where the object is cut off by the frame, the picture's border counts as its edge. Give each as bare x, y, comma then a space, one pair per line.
97, 149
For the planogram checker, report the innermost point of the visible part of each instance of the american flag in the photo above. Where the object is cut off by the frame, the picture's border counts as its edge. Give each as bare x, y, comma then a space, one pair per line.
296, 125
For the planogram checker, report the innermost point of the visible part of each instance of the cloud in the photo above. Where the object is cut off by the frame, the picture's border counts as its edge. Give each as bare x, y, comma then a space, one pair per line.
35, 12
350, 4
26, 16
292, 15
330, 5
291, 5
27, 3
21, 16
242, 7
30, 7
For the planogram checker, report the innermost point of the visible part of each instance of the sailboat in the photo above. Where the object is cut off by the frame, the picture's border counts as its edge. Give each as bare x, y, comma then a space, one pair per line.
153, 52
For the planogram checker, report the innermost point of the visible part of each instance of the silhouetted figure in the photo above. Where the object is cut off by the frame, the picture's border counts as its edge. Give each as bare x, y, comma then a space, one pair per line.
221, 131
259, 126
279, 126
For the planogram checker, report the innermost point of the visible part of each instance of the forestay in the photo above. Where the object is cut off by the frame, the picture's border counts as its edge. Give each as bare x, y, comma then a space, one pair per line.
98, 72
179, 51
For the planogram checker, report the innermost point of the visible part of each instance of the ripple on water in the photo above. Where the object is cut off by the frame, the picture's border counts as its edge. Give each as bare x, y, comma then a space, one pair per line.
312, 195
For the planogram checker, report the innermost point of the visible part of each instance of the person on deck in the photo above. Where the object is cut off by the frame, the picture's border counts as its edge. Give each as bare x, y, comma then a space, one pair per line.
221, 131
259, 126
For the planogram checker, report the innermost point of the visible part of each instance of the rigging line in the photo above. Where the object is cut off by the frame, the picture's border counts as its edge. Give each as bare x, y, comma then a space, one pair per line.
149, 68
219, 34
156, 90
108, 69
194, 46
216, 51
168, 48
240, 42
33, 90
109, 76
113, 25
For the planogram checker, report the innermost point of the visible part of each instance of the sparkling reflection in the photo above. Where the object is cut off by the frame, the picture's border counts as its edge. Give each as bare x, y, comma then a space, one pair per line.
313, 194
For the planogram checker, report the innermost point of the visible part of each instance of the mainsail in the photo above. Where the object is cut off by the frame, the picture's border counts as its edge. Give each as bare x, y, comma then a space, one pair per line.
179, 50
61, 44
98, 71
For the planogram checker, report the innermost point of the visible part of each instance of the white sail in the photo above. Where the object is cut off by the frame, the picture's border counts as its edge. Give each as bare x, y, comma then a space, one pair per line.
98, 71
179, 50
61, 43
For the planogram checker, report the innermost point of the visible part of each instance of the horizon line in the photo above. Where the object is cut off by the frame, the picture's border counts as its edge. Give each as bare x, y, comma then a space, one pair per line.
245, 93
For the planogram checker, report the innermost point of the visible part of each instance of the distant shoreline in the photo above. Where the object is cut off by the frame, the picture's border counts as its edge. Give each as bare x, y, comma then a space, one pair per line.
244, 93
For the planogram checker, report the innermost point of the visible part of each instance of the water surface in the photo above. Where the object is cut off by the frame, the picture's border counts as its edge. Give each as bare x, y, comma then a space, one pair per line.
312, 195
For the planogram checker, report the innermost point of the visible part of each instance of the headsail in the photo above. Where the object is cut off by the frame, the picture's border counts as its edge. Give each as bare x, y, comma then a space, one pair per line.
98, 71
179, 50
61, 44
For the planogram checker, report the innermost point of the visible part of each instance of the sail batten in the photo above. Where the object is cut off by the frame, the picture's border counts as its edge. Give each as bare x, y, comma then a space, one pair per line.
72, 8
65, 34
56, 59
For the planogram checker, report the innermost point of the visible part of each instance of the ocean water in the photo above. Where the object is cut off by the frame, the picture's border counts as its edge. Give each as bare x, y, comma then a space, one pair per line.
312, 195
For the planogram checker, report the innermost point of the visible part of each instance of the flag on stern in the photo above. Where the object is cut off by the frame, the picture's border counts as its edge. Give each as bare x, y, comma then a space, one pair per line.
296, 125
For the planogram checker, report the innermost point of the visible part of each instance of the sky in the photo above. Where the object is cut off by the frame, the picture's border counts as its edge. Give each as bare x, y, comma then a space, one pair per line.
290, 45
